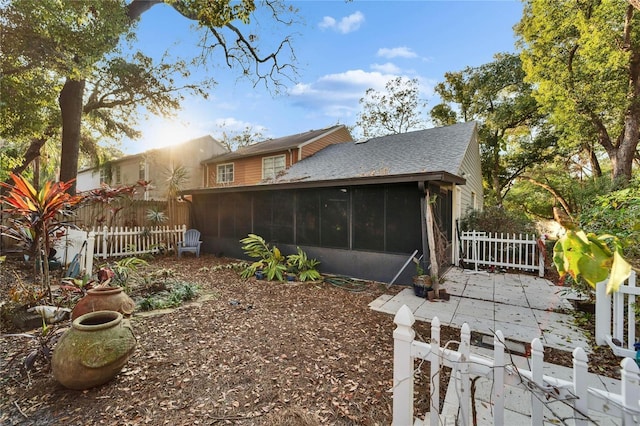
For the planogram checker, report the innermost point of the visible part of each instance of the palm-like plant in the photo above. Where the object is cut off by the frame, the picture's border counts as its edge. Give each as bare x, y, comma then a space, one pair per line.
271, 260
304, 267
41, 213
176, 178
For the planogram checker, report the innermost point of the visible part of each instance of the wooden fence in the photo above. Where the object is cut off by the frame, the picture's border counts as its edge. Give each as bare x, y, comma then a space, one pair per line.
543, 390
615, 315
121, 241
128, 213
503, 251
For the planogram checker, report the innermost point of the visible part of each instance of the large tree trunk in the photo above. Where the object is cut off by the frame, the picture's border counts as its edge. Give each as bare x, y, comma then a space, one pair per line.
622, 158
32, 153
70, 100
71, 104
593, 160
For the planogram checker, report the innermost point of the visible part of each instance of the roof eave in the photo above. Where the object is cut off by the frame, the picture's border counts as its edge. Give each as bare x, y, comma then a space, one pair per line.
440, 176
217, 159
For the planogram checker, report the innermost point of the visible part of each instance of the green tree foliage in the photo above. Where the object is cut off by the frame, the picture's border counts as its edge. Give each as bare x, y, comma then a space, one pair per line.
233, 140
593, 258
497, 220
584, 58
397, 110
512, 134
617, 213
561, 182
86, 88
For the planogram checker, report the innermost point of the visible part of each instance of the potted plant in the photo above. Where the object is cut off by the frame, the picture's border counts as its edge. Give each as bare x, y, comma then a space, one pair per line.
421, 281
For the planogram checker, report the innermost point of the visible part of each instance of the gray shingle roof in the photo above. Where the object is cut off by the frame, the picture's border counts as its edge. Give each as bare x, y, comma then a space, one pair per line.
272, 145
439, 149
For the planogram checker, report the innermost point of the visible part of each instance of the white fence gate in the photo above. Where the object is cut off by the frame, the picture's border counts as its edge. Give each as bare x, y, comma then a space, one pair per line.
503, 251
615, 314
543, 390
121, 241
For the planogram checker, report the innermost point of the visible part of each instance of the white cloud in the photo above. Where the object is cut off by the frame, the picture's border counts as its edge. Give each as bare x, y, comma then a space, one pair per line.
346, 25
397, 52
337, 95
387, 68
327, 22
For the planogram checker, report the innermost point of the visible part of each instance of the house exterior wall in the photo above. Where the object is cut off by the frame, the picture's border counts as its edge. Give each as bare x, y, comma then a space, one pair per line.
248, 170
339, 136
358, 264
158, 164
469, 196
88, 179
471, 170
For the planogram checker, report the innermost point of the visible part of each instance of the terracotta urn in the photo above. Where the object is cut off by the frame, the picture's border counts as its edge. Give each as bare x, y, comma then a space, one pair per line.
93, 350
104, 299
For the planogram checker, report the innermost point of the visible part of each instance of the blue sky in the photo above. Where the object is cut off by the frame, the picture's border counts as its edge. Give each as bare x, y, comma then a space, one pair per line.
342, 49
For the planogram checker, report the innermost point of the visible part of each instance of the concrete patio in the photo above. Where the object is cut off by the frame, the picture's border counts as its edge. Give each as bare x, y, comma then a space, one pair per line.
522, 306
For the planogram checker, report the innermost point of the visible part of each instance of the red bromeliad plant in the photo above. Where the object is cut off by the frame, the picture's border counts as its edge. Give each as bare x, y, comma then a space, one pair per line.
38, 214
111, 198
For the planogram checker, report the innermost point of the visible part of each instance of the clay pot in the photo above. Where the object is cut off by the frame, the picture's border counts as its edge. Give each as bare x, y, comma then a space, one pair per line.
431, 294
442, 294
93, 350
104, 299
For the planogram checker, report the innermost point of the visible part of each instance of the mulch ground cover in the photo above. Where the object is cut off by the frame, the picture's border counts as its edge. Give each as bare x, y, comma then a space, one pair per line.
246, 352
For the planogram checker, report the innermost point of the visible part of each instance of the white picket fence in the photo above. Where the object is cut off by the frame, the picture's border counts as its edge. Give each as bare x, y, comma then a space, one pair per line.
503, 251
123, 241
76, 242
615, 314
543, 390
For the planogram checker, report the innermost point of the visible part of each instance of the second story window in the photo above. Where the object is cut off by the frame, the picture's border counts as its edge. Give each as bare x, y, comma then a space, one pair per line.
271, 166
142, 168
104, 176
225, 173
117, 175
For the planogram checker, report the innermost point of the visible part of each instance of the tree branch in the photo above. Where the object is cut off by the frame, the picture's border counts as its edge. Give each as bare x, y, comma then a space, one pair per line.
552, 190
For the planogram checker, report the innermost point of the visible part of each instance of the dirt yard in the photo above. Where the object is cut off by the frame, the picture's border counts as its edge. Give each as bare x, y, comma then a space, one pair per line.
246, 352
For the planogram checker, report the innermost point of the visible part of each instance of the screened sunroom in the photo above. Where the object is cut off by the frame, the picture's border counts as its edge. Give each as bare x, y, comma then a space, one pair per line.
362, 230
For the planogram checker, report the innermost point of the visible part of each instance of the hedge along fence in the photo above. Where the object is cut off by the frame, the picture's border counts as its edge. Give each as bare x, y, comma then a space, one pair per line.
131, 213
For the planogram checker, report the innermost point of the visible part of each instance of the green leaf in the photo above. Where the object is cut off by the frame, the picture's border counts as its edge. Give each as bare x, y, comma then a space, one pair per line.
620, 271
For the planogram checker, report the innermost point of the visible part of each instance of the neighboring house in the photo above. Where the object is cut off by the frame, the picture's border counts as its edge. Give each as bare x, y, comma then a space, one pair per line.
264, 161
358, 207
155, 166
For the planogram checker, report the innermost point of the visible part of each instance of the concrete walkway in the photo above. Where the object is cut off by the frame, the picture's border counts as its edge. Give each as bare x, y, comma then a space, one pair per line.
522, 306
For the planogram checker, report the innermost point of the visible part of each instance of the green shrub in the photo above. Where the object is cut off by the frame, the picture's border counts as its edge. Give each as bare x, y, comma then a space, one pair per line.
618, 214
497, 219
274, 264
303, 267
271, 261
180, 292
